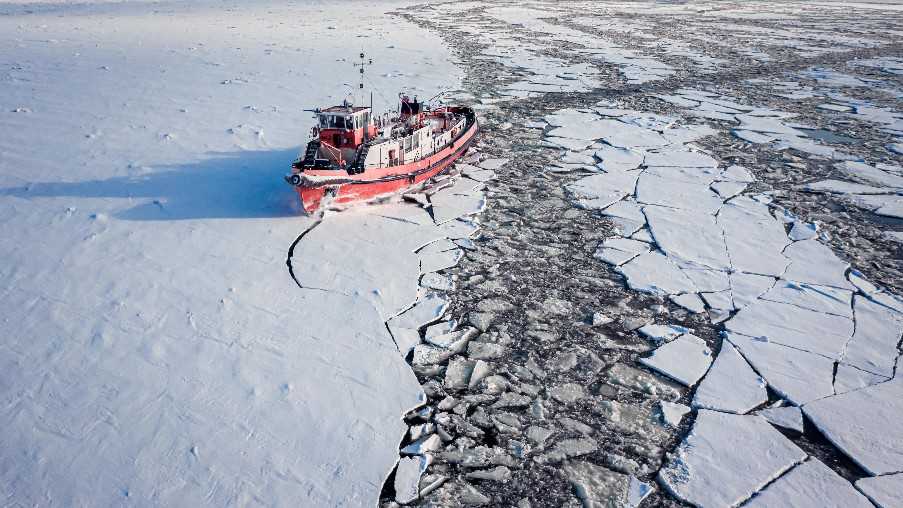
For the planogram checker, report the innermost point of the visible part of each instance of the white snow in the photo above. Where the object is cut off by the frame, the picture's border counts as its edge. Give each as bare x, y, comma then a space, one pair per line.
788, 417
707, 471
730, 385
873, 347
799, 376
865, 425
161, 352
884, 491
684, 359
810, 485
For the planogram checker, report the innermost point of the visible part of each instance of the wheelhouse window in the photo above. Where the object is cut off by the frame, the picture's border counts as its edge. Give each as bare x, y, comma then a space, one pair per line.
336, 122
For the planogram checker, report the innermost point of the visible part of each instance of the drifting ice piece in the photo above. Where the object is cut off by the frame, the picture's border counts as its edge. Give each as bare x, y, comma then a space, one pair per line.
618, 159
865, 425
884, 491
789, 417
690, 301
405, 327
654, 273
662, 333
810, 485
793, 326
407, 478
685, 359
874, 344
706, 469
603, 190
617, 251
848, 378
815, 263
754, 239
796, 375
731, 385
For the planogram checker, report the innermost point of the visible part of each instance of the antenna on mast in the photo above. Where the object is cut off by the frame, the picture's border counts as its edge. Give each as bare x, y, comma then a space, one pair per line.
363, 64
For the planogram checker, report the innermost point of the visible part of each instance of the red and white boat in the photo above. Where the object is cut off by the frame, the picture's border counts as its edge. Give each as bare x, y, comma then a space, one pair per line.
354, 155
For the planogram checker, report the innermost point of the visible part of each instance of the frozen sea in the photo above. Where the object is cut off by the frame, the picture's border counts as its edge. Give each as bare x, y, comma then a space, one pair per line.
155, 349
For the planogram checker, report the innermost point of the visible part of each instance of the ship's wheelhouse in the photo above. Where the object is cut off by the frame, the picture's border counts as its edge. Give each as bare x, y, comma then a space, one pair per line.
345, 127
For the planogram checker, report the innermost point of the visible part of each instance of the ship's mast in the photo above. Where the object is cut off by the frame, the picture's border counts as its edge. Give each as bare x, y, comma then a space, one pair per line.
361, 70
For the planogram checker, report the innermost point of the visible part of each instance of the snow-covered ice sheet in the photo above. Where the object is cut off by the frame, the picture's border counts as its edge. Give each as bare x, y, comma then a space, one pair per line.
865, 425
156, 349
811, 484
707, 470
730, 385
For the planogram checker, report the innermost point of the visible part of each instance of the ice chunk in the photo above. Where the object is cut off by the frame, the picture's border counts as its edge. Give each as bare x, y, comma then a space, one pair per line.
627, 216
407, 478
688, 235
794, 326
746, 287
492, 164
736, 174
788, 417
405, 327
884, 491
460, 200
730, 385
617, 251
797, 375
871, 174
439, 256
690, 301
728, 190
815, 263
618, 159
596, 485
603, 190
685, 359
825, 299
874, 344
842, 187
755, 240
652, 189
662, 333
654, 273
865, 425
672, 413
753, 137
680, 158
706, 469
637, 492
849, 378
810, 485
803, 231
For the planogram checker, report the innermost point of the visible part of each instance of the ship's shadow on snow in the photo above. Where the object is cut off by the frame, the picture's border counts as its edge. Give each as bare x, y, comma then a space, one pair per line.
234, 185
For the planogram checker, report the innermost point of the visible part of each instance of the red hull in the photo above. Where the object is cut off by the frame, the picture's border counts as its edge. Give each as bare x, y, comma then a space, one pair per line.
311, 197
402, 177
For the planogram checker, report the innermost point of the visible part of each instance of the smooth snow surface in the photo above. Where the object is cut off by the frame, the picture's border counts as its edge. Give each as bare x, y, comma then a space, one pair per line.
810, 485
157, 351
706, 469
884, 491
731, 385
865, 425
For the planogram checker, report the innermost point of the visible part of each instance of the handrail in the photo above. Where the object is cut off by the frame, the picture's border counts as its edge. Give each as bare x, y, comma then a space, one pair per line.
335, 151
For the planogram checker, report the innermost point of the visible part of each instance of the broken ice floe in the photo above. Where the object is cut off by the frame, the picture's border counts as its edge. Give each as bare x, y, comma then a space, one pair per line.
730, 385
788, 417
684, 359
704, 469
864, 424
810, 484
710, 246
884, 491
